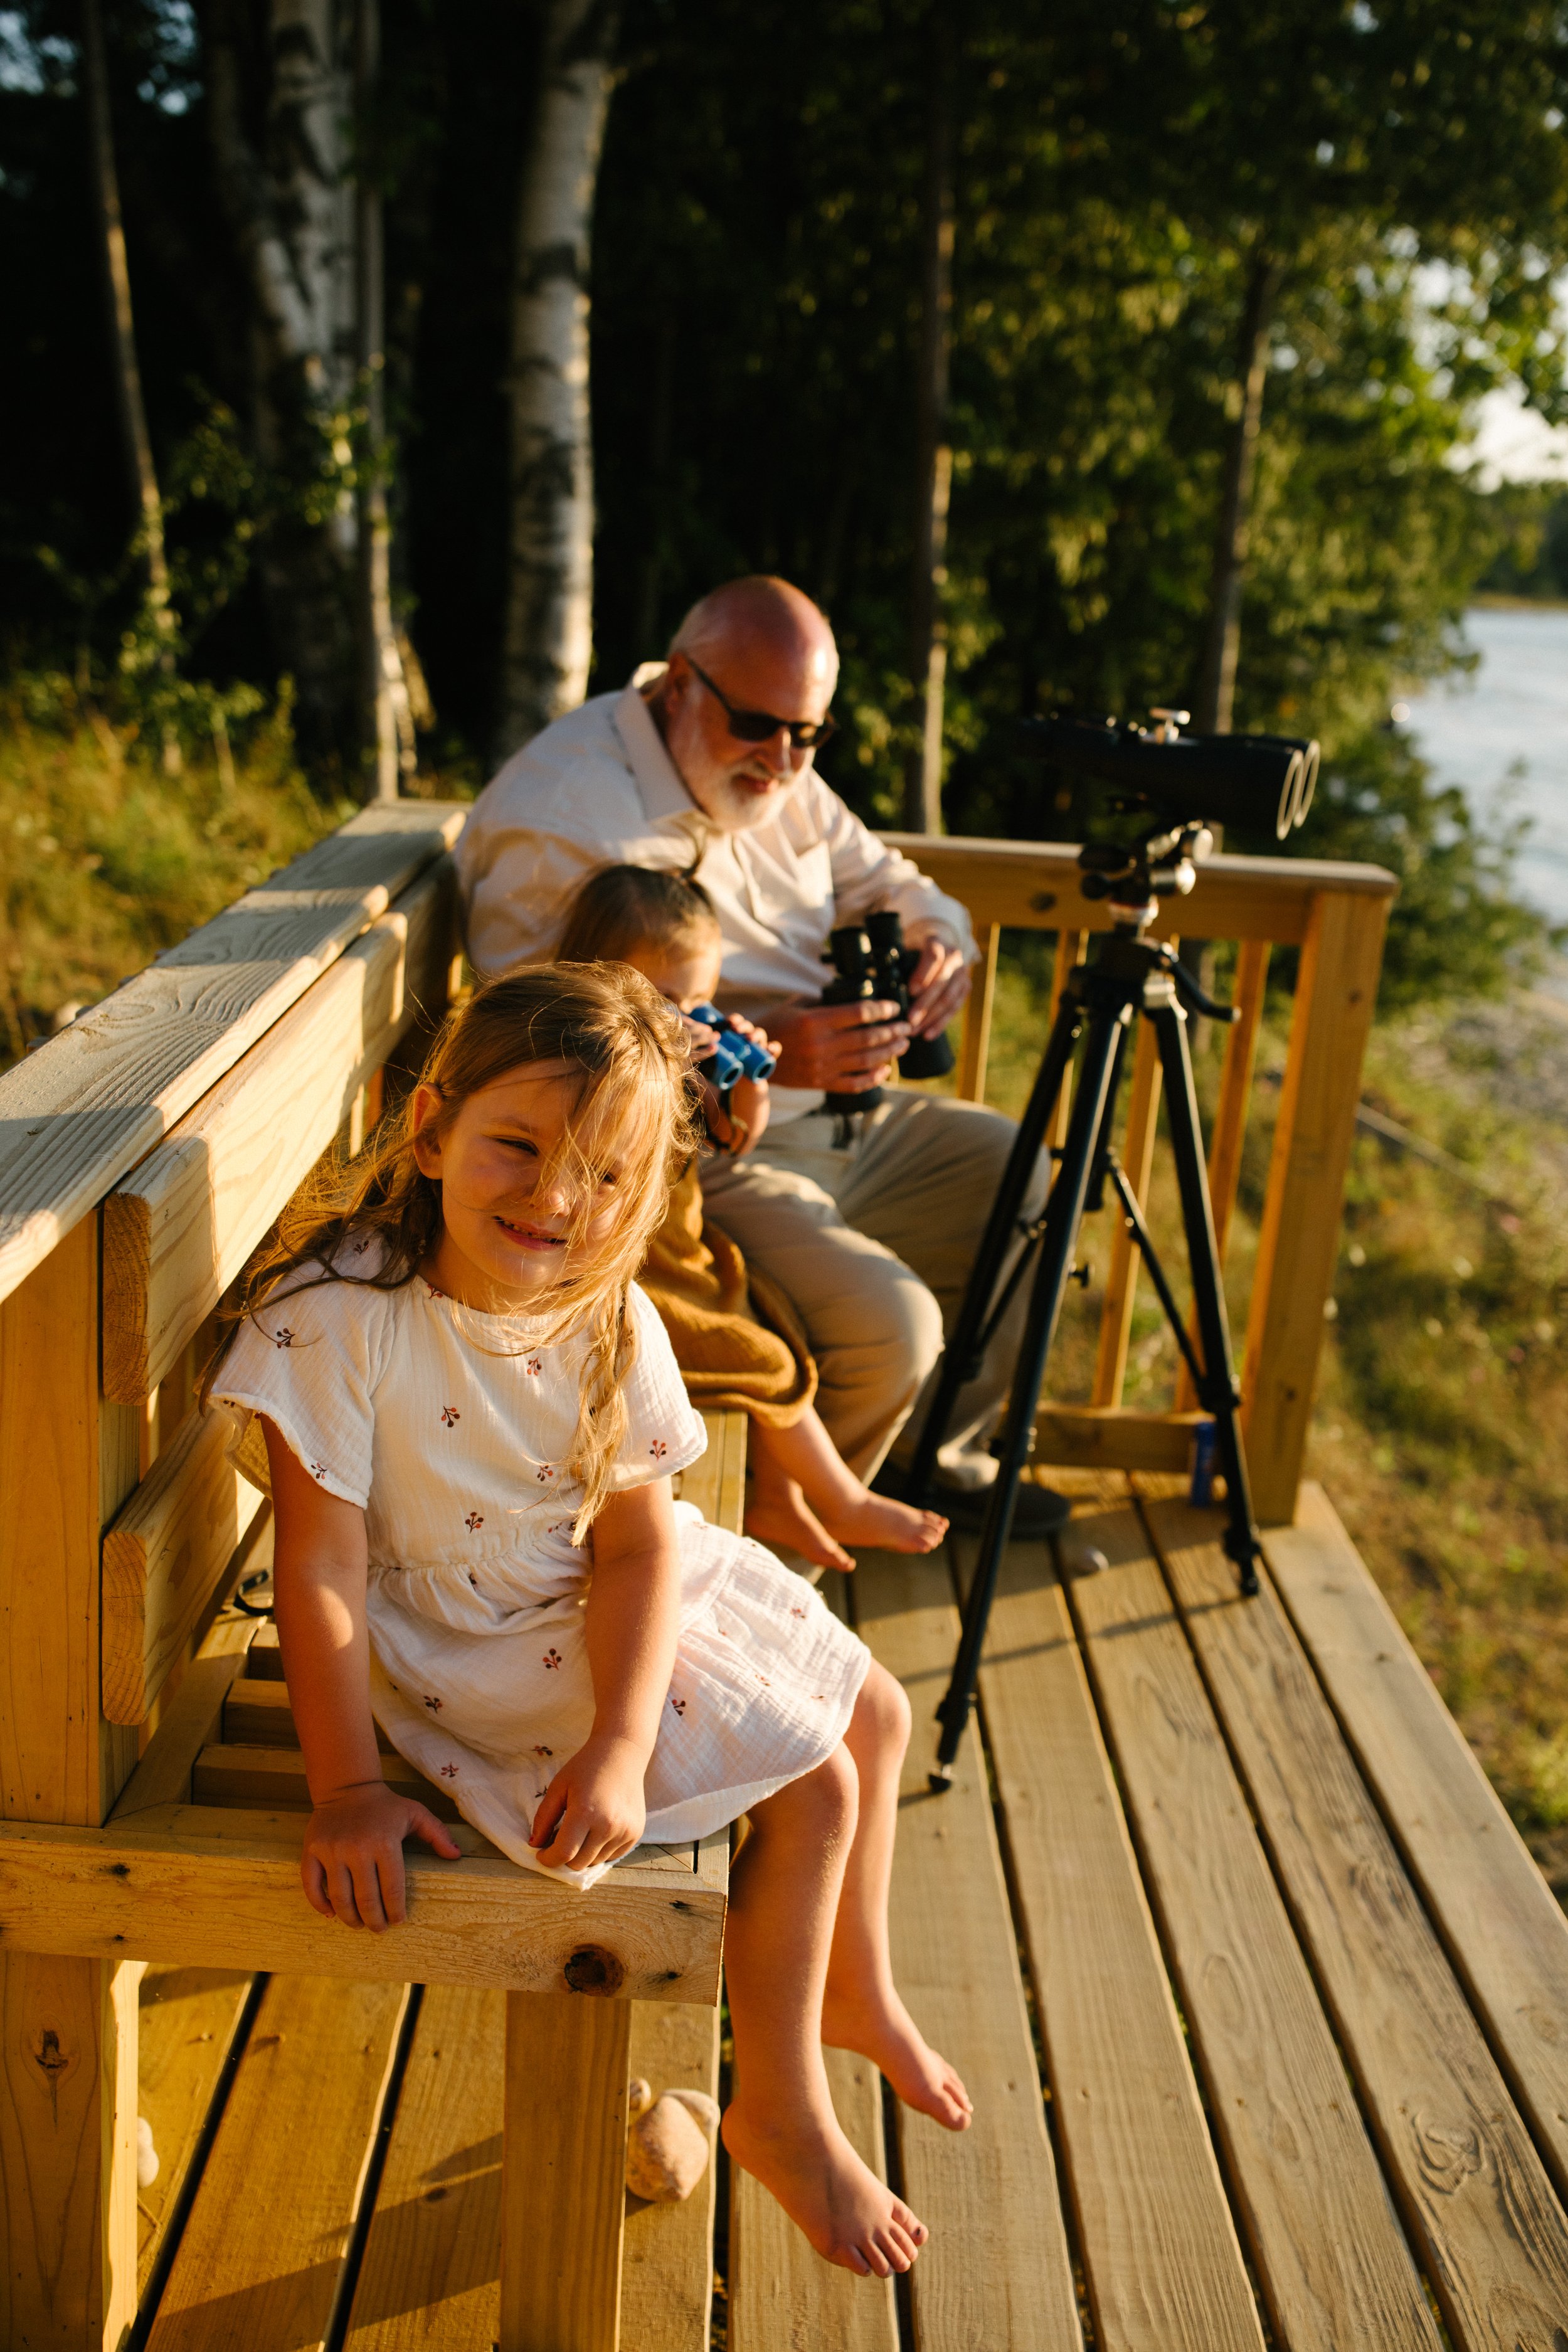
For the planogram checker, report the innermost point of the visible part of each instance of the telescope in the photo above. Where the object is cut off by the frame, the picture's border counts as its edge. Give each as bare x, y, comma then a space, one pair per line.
1234, 780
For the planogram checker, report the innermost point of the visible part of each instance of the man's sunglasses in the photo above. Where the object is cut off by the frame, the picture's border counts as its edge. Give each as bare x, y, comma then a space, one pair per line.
759, 726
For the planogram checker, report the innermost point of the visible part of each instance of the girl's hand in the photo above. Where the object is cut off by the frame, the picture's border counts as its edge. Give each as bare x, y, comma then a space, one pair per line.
744, 1028
699, 1039
593, 1809
353, 1864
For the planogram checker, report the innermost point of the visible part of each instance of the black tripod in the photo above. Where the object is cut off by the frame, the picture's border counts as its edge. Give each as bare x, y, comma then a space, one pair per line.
1129, 975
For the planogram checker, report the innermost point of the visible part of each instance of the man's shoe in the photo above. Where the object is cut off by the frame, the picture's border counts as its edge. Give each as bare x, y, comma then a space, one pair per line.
1039, 1511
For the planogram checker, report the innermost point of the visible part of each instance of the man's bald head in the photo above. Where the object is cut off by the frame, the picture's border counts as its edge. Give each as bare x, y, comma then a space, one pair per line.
760, 645
761, 616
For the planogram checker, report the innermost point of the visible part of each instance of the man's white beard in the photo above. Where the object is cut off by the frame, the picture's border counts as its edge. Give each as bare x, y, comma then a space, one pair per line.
733, 808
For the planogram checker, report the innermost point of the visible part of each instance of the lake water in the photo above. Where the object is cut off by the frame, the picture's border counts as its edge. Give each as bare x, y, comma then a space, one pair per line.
1502, 735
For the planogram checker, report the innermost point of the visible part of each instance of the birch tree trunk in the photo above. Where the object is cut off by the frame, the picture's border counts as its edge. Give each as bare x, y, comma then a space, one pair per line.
1222, 649
291, 203
933, 462
122, 331
387, 717
549, 617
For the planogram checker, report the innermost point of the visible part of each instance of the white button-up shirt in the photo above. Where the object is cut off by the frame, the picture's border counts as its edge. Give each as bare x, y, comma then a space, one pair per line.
598, 788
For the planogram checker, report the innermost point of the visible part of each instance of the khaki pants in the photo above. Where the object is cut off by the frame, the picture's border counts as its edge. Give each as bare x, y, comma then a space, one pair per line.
873, 1245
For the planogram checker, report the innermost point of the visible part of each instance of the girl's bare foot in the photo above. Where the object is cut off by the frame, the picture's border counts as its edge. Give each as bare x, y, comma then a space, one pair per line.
779, 1513
849, 2216
883, 2031
883, 1524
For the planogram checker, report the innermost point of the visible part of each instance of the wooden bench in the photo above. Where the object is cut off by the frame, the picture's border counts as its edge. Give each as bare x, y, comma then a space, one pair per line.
151, 1790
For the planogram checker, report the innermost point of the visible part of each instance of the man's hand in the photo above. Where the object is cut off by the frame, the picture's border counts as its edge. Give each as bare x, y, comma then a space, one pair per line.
593, 1809
938, 985
838, 1048
352, 1867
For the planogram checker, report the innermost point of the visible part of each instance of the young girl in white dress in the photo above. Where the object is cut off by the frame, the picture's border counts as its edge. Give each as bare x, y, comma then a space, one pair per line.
470, 1418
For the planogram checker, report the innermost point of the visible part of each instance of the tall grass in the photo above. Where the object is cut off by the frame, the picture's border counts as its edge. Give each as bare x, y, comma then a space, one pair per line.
105, 858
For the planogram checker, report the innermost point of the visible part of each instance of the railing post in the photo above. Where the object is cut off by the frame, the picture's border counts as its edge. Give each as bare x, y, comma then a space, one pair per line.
67, 2027
1299, 1242
977, 1016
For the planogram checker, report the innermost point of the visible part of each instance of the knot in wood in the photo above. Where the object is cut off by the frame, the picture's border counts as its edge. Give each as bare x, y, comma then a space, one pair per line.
592, 1969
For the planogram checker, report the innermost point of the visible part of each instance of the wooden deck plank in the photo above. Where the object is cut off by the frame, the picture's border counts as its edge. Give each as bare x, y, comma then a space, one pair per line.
1475, 2192
260, 2262
667, 2274
783, 2296
1159, 2247
430, 2279
996, 2269
76, 1116
563, 2172
1503, 1927
1328, 2246
188, 2019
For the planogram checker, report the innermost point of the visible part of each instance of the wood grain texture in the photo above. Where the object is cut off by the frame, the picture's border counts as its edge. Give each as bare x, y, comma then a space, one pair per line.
996, 2269
164, 1560
563, 2173
1504, 1930
1036, 886
50, 1749
260, 2261
1474, 2191
1336, 989
77, 1115
667, 2262
1114, 1437
257, 1713
273, 1779
1327, 2242
163, 1776
783, 2296
178, 1231
430, 2280
978, 1013
1121, 1274
68, 2166
716, 1481
1248, 996
221, 1889
188, 2018
1159, 2248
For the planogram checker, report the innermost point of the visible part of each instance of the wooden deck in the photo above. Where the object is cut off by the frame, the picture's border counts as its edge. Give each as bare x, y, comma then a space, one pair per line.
1263, 2004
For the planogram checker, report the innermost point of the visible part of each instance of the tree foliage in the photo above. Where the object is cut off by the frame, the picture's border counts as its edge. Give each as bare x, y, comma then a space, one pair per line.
756, 286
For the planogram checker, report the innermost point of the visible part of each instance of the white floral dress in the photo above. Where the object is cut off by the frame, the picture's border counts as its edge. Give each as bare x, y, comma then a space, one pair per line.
447, 1430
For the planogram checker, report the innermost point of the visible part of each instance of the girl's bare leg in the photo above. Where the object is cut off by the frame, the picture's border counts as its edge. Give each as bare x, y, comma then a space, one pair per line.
806, 1455
861, 2008
780, 2126
776, 1510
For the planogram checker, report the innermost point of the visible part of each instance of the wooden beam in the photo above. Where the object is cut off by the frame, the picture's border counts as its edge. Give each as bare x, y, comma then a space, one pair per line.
221, 1889
188, 2021
1336, 989
163, 1776
977, 1016
270, 1778
177, 1231
166, 1559
666, 2257
1037, 886
563, 2173
87, 1106
1114, 1437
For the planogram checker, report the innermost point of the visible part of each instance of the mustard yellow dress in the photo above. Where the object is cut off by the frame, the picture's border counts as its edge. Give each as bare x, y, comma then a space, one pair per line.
736, 1337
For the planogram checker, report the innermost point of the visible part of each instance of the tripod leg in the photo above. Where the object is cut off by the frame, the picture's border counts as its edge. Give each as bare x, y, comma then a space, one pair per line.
1093, 1108
959, 1361
1219, 1391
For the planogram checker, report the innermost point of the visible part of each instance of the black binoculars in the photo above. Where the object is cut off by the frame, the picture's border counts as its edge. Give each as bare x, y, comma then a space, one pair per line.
872, 965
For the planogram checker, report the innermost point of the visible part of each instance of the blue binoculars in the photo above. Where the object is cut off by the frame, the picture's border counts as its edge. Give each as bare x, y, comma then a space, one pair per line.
735, 1057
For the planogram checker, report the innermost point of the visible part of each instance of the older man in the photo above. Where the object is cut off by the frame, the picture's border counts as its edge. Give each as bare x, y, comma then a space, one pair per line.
870, 1225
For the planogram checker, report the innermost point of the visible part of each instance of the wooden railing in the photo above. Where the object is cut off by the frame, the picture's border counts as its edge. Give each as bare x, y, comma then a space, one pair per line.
1336, 915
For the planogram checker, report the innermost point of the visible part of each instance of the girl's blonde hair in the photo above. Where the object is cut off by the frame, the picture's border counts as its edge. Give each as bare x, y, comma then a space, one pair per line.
623, 908
611, 1026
